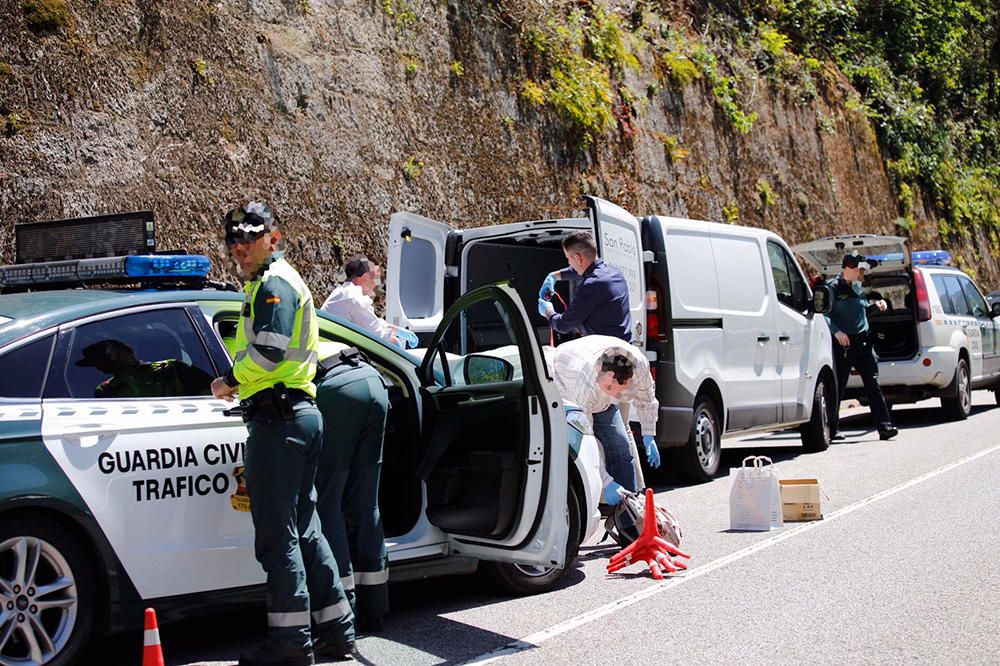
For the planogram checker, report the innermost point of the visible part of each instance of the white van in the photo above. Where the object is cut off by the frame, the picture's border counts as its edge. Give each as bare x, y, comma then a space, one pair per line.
723, 312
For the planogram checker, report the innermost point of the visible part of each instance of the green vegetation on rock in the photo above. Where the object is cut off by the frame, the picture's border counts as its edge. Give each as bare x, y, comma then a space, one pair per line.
44, 16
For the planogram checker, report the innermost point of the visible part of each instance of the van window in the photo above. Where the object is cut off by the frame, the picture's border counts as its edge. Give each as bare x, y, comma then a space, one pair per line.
791, 289
693, 285
416, 289
975, 299
738, 262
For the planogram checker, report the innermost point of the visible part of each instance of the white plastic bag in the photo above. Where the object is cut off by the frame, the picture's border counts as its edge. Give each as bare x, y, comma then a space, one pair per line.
755, 499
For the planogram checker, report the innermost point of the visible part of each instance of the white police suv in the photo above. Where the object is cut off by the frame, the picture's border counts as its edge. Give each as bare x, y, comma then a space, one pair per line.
121, 476
938, 338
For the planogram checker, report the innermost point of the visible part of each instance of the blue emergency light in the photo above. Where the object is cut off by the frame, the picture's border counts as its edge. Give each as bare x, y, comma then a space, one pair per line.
134, 268
931, 258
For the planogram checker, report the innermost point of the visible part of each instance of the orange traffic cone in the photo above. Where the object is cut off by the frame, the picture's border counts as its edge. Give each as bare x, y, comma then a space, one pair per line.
152, 655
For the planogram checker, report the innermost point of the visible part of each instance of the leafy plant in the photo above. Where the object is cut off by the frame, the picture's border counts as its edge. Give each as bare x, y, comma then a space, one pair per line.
401, 12
675, 152
412, 168
766, 194
43, 16
731, 213
200, 69
456, 68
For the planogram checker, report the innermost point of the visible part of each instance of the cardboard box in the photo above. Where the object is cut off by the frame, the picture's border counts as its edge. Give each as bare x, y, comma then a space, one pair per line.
800, 500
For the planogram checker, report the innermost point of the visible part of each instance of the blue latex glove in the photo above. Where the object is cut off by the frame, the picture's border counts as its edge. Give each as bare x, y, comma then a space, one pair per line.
612, 494
548, 286
406, 338
545, 308
652, 452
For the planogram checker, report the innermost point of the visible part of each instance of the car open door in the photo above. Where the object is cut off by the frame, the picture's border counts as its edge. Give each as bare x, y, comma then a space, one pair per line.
495, 459
415, 271
826, 254
619, 243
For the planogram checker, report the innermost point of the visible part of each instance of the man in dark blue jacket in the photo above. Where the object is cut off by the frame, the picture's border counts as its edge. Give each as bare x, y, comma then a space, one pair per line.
601, 303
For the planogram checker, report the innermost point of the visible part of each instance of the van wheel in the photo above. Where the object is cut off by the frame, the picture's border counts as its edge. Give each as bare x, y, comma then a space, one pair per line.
523, 580
47, 592
816, 433
698, 460
959, 407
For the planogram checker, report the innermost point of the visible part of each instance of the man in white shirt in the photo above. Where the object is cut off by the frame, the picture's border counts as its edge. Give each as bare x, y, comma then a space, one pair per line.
352, 301
596, 372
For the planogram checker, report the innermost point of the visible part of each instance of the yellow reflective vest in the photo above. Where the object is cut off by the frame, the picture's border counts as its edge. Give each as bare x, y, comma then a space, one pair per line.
277, 338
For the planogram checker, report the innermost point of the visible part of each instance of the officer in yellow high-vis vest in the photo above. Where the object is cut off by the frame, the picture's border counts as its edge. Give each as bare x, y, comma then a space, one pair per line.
273, 369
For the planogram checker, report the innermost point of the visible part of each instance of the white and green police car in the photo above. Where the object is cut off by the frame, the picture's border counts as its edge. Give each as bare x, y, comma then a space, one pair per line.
120, 474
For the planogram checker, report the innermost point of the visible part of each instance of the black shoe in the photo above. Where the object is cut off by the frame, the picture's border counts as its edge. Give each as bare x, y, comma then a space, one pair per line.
269, 656
334, 651
887, 433
839, 437
368, 623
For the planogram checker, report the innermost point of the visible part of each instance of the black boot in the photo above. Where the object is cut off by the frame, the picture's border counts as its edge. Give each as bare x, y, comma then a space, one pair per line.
887, 432
269, 656
334, 651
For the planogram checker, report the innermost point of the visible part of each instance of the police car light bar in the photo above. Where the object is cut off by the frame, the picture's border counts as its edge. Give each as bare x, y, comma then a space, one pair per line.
109, 269
931, 258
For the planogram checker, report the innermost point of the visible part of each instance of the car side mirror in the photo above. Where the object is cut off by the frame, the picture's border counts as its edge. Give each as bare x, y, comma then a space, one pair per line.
995, 310
481, 369
822, 299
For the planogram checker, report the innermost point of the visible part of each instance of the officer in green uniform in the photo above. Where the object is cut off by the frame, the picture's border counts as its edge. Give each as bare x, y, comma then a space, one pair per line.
277, 341
852, 346
354, 402
132, 379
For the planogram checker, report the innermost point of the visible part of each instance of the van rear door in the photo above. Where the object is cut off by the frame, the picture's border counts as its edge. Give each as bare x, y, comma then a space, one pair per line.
619, 243
415, 272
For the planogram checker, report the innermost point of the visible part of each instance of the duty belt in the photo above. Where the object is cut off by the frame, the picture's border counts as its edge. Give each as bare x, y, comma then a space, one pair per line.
272, 404
351, 356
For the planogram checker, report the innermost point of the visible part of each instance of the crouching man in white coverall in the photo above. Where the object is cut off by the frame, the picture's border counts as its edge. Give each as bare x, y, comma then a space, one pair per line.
596, 372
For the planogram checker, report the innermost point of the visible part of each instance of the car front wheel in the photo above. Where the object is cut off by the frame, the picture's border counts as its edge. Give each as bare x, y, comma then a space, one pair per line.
523, 580
46, 591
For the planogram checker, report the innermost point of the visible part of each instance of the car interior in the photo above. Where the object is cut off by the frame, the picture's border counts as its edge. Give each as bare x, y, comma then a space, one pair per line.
895, 330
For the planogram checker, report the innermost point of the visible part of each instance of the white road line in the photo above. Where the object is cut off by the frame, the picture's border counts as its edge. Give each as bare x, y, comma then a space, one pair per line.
535, 639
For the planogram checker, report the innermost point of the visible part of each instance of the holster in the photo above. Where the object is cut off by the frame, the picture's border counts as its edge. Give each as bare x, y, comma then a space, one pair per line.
270, 404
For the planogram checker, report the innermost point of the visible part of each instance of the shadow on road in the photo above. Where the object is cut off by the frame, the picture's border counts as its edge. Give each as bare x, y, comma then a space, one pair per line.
222, 637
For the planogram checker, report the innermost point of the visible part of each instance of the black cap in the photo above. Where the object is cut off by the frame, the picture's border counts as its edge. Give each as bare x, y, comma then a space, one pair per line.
855, 260
104, 351
249, 221
356, 267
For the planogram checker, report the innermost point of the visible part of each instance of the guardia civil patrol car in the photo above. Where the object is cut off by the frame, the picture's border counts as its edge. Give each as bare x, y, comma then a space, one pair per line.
121, 476
938, 336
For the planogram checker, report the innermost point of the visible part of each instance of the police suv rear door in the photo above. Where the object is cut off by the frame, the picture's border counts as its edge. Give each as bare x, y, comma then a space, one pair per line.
619, 243
415, 272
826, 254
495, 459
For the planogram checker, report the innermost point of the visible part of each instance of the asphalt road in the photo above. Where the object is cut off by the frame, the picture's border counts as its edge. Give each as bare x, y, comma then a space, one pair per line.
903, 569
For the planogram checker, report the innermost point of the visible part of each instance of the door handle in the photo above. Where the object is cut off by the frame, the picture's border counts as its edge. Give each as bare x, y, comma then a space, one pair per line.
763, 338
485, 400
784, 338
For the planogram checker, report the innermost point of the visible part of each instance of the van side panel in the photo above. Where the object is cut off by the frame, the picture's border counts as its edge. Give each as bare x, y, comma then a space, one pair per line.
753, 392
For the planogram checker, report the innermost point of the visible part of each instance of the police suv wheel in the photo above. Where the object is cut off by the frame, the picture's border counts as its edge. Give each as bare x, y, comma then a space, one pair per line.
698, 460
521, 580
816, 433
959, 407
46, 591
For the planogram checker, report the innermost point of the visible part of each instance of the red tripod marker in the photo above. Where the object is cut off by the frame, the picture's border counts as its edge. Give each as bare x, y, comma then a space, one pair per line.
650, 547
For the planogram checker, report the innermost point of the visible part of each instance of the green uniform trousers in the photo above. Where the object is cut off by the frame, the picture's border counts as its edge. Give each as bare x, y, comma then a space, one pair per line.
354, 404
302, 582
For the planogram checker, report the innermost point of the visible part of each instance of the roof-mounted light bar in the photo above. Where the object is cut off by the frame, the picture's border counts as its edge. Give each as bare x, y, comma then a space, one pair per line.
931, 258
136, 268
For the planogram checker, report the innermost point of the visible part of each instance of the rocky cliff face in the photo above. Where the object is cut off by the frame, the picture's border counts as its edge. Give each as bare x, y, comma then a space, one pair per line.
341, 113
